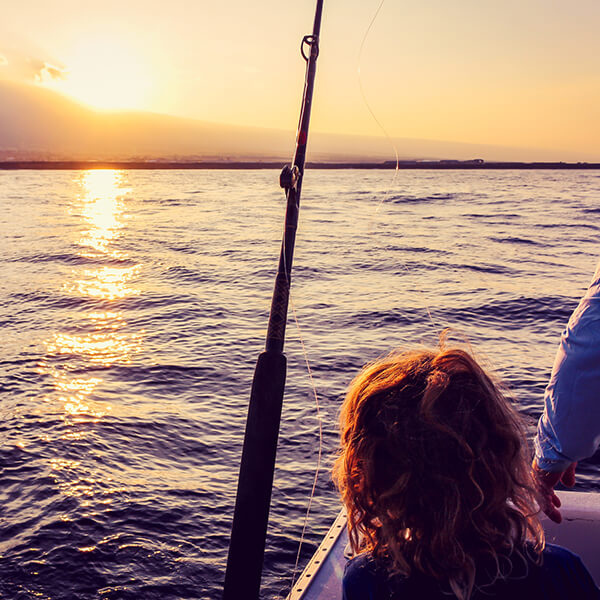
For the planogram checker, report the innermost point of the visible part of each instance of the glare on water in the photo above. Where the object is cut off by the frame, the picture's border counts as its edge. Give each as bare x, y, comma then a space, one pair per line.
99, 209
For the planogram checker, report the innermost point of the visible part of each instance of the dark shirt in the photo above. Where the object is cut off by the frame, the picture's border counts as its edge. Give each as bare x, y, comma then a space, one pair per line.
560, 576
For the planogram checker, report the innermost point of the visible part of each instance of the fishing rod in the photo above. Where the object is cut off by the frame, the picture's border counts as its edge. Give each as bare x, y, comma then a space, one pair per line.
255, 483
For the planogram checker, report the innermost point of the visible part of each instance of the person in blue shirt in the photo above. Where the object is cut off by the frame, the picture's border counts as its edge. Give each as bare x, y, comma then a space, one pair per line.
569, 428
434, 474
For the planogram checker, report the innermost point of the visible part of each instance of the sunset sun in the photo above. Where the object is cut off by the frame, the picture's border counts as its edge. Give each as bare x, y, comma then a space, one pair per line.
106, 74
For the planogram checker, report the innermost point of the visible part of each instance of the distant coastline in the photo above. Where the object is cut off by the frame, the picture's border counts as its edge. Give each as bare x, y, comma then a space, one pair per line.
404, 164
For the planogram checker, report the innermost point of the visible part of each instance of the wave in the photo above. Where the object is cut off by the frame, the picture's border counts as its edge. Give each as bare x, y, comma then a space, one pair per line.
185, 275
516, 240
376, 318
513, 313
561, 225
76, 259
401, 199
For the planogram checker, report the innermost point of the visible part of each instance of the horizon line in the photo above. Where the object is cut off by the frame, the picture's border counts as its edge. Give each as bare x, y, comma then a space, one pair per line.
159, 164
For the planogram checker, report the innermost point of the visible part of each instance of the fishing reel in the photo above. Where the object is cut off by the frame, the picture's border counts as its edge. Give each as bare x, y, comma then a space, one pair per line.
289, 177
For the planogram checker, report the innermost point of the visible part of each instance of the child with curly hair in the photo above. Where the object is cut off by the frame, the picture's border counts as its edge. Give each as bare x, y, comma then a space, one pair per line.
435, 479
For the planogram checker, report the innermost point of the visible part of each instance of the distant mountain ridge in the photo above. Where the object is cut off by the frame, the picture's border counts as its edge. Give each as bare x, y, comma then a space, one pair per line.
40, 124
37, 123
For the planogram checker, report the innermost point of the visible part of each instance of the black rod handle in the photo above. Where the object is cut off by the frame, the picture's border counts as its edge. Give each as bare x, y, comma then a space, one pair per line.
251, 515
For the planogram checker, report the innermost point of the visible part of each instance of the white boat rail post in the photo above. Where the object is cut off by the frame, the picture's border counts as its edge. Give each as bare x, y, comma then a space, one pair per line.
255, 483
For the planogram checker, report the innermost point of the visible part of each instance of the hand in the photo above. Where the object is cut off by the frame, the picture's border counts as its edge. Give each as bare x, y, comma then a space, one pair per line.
545, 482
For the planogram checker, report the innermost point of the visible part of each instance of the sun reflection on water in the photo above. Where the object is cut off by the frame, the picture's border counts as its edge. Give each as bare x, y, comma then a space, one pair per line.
106, 283
103, 207
101, 337
103, 347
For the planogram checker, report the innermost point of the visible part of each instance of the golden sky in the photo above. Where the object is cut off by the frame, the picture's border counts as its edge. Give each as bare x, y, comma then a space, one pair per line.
516, 73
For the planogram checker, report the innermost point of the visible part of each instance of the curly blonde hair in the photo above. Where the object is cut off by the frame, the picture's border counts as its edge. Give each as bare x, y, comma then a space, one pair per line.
433, 469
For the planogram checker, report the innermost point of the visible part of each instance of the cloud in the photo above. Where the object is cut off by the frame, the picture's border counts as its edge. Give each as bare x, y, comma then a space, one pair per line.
48, 72
20, 60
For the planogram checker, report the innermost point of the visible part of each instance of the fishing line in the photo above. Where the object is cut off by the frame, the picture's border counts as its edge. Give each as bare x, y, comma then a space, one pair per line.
320, 425
392, 144
294, 312
320, 451
372, 113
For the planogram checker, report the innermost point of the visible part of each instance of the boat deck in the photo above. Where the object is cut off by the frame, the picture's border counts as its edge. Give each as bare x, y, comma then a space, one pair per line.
579, 532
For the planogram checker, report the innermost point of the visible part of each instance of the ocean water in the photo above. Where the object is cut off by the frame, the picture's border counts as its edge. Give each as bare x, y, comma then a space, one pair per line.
134, 304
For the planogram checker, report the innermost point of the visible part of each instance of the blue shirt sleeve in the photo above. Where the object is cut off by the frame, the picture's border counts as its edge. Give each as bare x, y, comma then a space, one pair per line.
569, 428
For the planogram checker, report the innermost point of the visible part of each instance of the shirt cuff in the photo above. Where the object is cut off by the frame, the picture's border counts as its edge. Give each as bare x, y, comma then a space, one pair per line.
552, 465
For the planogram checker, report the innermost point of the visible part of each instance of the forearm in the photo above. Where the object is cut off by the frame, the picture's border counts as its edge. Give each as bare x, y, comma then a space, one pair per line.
569, 428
